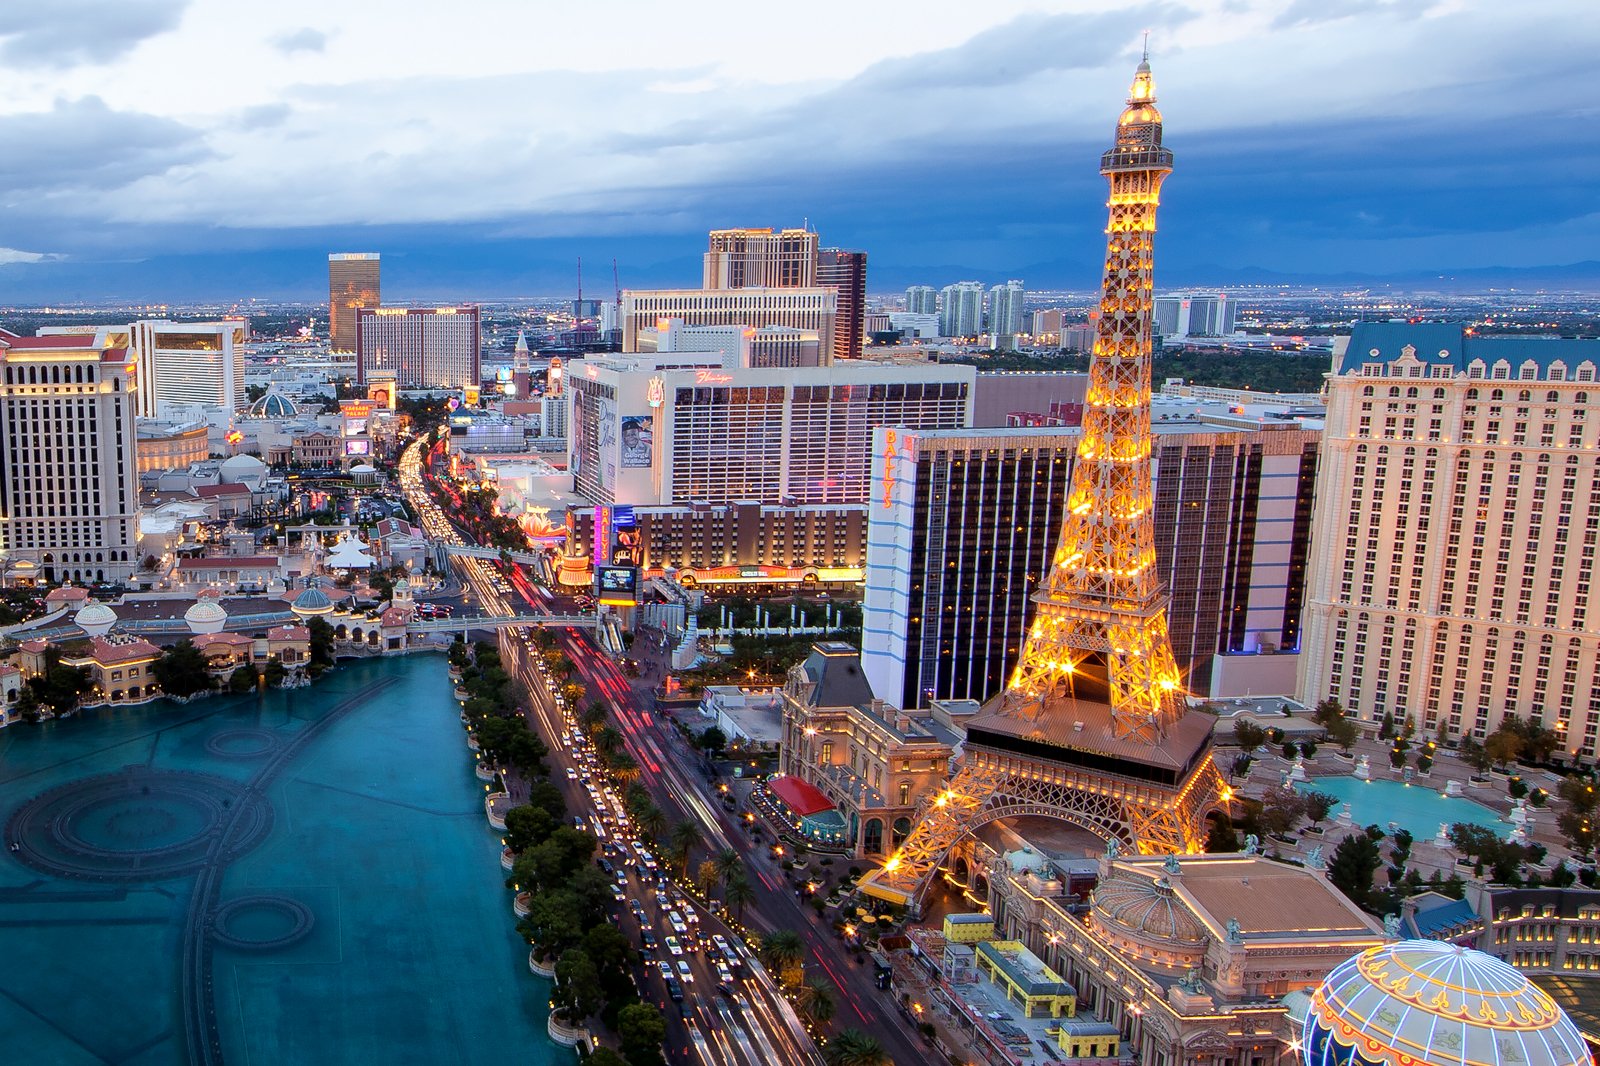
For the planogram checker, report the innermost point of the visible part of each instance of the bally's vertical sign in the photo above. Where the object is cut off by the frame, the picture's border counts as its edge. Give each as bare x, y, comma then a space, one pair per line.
602, 535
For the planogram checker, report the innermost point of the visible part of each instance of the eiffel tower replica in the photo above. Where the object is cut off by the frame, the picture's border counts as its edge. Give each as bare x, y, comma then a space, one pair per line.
1094, 726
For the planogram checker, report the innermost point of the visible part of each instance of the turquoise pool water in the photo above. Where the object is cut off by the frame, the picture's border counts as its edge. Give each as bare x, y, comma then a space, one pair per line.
1419, 808
302, 878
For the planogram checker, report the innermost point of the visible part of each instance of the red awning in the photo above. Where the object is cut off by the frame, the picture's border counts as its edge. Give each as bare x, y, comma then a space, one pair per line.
799, 796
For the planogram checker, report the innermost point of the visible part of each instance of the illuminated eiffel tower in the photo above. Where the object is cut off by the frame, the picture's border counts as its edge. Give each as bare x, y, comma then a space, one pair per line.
1094, 726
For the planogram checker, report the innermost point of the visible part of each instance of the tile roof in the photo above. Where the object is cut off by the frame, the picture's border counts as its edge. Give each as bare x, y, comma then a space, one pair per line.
206, 492
1455, 345
229, 562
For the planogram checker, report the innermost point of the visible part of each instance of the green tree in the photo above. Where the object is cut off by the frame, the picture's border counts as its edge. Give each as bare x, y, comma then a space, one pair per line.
706, 877
1505, 745
593, 717
1248, 735
528, 825
653, 822
1327, 712
738, 894
686, 836
782, 952
641, 1029
182, 670
604, 1056
730, 867
243, 679
1220, 837
1344, 733
1354, 864
1386, 727
577, 993
1473, 754
276, 673
1281, 809
713, 740
608, 739
624, 768
1317, 805
815, 1000
852, 1047
321, 644
60, 687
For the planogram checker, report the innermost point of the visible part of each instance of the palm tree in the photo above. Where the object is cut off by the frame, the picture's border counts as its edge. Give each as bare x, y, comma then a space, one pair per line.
593, 717
738, 893
852, 1047
623, 768
653, 820
815, 1000
686, 836
729, 866
608, 740
782, 950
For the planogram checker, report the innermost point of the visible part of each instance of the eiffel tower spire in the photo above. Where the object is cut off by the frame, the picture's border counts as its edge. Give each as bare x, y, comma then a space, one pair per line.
1100, 628
1093, 726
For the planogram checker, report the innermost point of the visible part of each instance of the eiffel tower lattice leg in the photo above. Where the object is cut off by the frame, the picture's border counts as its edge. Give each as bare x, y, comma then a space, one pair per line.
938, 826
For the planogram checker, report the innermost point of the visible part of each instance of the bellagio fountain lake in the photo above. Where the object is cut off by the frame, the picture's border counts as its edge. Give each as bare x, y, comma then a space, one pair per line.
295, 878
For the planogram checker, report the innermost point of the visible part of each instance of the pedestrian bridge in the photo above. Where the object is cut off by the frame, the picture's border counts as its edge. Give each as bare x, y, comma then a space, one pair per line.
471, 552
462, 622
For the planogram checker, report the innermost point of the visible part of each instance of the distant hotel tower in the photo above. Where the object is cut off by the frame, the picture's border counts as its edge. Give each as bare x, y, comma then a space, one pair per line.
69, 495
1094, 727
352, 285
846, 272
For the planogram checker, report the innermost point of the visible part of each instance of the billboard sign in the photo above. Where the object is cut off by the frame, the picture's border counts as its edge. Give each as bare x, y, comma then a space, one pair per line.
617, 586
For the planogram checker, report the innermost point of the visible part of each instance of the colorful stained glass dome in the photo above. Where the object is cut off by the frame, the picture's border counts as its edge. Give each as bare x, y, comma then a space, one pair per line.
1424, 1003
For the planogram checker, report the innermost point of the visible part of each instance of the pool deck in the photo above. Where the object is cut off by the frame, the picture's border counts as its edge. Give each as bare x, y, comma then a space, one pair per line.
1269, 770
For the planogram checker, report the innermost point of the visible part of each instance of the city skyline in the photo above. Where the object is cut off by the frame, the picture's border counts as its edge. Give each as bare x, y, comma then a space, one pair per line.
1369, 161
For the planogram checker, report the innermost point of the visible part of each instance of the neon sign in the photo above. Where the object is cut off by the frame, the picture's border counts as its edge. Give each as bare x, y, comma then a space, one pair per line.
657, 394
890, 436
711, 377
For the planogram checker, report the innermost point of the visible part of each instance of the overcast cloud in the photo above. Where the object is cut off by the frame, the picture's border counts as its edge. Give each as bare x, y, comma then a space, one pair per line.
1367, 135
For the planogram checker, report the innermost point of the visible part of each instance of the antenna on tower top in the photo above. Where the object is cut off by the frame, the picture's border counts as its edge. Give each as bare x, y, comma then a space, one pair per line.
1147, 46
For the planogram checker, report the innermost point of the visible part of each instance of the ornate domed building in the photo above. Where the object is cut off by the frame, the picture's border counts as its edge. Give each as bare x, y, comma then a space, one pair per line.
1425, 1003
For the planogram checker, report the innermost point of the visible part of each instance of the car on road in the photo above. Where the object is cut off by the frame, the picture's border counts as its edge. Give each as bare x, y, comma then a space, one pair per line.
619, 895
674, 990
665, 969
684, 972
661, 899
647, 943
724, 975
677, 923
674, 945
572, 775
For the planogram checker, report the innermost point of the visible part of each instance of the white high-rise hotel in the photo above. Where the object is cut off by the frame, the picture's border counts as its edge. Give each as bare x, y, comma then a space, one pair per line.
68, 494
1453, 551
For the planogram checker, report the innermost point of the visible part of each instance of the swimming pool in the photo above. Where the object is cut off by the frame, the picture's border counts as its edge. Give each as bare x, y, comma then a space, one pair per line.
1419, 808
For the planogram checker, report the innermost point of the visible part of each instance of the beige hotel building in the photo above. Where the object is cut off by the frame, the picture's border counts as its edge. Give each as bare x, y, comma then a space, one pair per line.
1453, 549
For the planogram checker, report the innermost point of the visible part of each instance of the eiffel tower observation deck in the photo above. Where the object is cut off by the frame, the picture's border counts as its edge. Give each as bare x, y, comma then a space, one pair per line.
1094, 726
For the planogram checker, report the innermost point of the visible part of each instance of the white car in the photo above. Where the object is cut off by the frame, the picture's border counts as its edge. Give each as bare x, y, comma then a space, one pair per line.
572, 775
674, 945
684, 971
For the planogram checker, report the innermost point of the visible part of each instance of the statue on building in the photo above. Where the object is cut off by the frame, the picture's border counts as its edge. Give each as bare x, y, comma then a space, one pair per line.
1252, 844
1190, 982
1171, 865
1391, 926
1113, 848
1314, 859
1235, 934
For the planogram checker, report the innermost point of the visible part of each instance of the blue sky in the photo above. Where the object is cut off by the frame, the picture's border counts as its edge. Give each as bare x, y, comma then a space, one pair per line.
188, 149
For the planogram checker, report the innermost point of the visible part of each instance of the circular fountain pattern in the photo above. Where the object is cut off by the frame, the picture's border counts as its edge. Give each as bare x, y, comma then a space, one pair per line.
137, 825
261, 923
241, 743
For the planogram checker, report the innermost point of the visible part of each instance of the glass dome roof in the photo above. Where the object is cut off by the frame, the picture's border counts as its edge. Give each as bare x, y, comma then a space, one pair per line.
1425, 1003
273, 405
